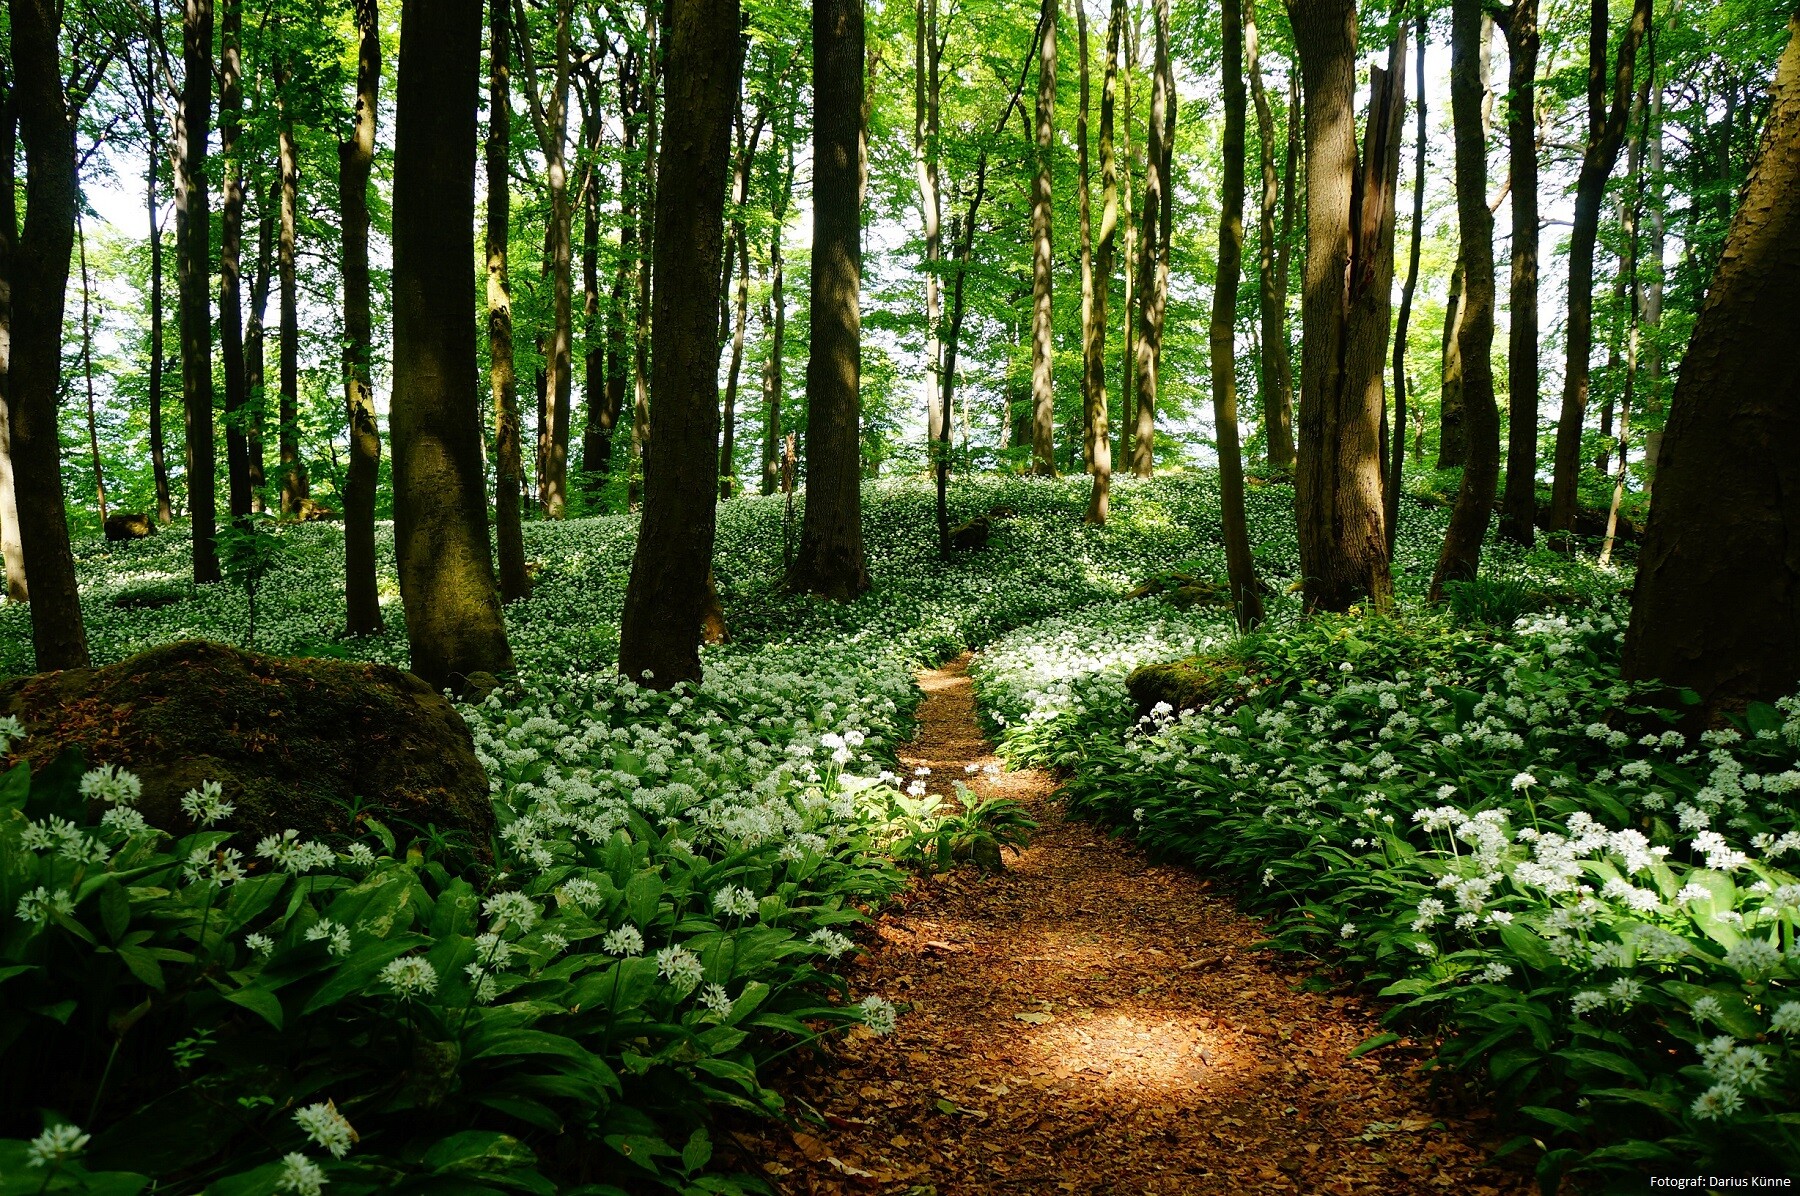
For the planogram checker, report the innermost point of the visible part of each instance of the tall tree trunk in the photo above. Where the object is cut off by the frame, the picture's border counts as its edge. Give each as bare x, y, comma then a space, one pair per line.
1128, 312
1461, 557
1718, 584
1630, 211
830, 558
40, 278
509, 457
193, 245
1084, 206
728, 443
1094, 334
1606, 132
1246, 601
1276, 373
294, 485
231, 255
604, 356
1345, 307
1518, 507
87, 370
926, 51
1284, 260
159, 464
1043, 348
355, 157
670, 588
640, 408
597, 453
774, 367
453, 621
1396, 462
1654, 386
1151, 270
254, 357
1453, 445
12, 553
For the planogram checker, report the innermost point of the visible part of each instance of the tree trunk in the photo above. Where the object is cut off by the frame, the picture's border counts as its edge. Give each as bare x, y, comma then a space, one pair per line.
926, 51
1084, 209
1345, 306
1461, 556
660, 631
604, 357
12, 554
640, 408
597, 451
231, 255
193, 242
1128, 312
1094, 335
1518, 507
453, 621
1716, 606
294, 485
774, 368
254, 356
1276, 374
1396, 463
87, 371
1222, 339
40, 277
509, 462
1654, 386
830, 559
159, 464
728, 444
1043, 347
1453, 447
1152, 276
1606, 132
1284, 260
355, 157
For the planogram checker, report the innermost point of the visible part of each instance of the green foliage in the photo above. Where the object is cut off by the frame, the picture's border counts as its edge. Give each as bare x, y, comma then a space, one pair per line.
935, 840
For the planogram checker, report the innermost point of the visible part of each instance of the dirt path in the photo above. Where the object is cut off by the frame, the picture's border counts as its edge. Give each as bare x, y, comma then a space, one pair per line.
1090, 1022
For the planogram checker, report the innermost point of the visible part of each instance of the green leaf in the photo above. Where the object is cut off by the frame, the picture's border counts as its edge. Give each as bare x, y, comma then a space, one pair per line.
359, 970
1558, 1118
697, 1152
259, 1001
1527, 946
1373, 1044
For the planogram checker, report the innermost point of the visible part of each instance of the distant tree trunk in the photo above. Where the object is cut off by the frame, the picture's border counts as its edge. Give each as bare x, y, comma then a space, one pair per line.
1345, 309
1461, 557
1654, 386
159, 464
773, 369
509, 457
1084, 209
1518, 507
1276, 375
193, 242
87, 370
1128, 312
640, 408
254, 356
597, 449
294, 485
12, 554
1152, 272
355, 157
728, 444
926, 51
1094, 335
830, 558
1630, 209
1284, 257
1718, 587
1043, 348
231, 255
1246, 601
1396, 463
453, 621
1453, 449
671, 572
604, 366
1606, 132
40, 278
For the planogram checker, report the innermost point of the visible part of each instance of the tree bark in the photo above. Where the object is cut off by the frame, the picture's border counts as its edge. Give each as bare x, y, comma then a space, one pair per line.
509, 462
660, 631
597, 449
1094, 335
737, 245
1654, 385
640, 408
1396, 463
1043, 347
1276, 373
1606, 133
453, 621
294, 485
1518, 506
12, 553
40, 277
356, 155
774, 367
1716, 606
1084, 210
87, 370
1246, 600
254, 357
830, 558
193, 244
604, 361
1453, 445
1152, 276
1345, 306
231, 254
926, 53
1461, 556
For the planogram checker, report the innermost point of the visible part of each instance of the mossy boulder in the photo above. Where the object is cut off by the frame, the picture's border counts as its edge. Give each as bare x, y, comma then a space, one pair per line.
294, 742
1184, 684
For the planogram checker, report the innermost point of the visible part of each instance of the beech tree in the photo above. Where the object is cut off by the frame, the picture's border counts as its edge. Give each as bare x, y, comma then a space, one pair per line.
453, 621
1518, 508
356, 155
1043, 348
193, 255
1093, 344
509, 464
1716, 605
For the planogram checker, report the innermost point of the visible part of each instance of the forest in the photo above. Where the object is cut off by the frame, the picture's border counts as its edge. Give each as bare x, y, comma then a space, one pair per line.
733, 597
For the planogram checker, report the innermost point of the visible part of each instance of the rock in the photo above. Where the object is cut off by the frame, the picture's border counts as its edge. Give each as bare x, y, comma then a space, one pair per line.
1590, 522
311, 510
1001, 511
971, 535
1184, 684
120, 528
292, 741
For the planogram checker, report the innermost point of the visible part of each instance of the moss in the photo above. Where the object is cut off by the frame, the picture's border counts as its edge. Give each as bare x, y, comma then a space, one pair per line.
294, 742
1184, 684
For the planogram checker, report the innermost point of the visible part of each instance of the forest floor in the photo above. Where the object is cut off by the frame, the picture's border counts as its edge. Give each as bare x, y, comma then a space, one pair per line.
1092, 1022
